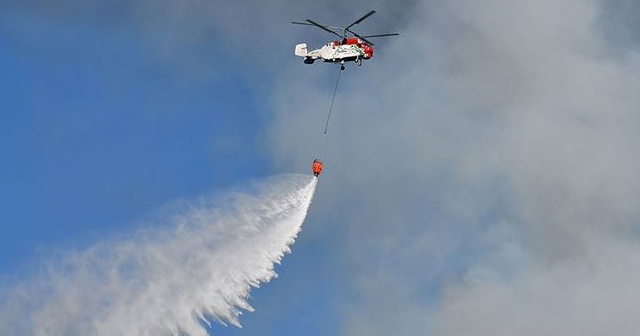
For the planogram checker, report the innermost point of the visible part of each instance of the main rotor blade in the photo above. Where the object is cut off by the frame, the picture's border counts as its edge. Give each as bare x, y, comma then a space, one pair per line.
361, 37
309, 24
360, 19
324, 28
382, 35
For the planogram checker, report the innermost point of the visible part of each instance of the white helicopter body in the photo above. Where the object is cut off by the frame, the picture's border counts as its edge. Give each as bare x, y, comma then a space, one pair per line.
346, 49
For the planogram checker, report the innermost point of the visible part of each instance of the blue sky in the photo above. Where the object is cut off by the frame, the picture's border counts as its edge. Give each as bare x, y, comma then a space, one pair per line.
487, 155
98, 130
94, 136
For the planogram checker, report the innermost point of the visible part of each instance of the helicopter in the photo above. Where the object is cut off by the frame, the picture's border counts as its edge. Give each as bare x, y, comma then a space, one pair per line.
354, 48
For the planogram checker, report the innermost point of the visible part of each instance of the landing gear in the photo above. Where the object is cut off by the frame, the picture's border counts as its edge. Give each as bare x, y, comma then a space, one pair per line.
342, 65
359, 61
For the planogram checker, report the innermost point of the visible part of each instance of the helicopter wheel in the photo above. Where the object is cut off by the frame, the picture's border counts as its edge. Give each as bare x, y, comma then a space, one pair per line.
342, 67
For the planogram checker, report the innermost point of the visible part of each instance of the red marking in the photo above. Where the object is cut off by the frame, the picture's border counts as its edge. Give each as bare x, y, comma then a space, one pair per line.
368, 50
352, 40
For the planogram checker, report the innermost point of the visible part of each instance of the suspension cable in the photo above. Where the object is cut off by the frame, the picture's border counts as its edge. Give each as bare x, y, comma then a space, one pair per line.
333, 98
323, 144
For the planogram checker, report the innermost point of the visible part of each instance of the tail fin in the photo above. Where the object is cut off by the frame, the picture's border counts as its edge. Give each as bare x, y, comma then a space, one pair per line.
301, 50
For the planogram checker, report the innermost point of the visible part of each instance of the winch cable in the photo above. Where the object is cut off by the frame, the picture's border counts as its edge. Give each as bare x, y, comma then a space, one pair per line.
333, 98
326, 125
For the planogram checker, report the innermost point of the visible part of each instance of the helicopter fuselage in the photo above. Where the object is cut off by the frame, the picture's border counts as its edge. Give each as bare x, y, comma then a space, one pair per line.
347, 50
